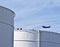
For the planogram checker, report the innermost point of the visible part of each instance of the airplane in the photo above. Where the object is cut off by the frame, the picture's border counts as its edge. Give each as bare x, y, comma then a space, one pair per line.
46, 26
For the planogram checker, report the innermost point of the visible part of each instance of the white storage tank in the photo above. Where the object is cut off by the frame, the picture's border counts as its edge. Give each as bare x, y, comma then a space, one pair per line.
6, 27
49, 39
25, 38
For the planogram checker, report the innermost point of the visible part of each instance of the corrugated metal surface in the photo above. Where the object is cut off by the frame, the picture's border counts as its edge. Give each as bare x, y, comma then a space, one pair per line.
23, 38
25, 44
49, 39
6, 27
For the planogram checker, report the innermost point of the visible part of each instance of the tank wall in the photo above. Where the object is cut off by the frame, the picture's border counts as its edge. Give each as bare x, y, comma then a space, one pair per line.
49, 39
23, 35
6, 16
6, 35
6, 27
23, 38
25, 44
49, 44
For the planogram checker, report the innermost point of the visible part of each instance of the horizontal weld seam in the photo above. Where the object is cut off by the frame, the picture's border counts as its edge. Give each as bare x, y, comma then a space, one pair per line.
26, 40
7, 24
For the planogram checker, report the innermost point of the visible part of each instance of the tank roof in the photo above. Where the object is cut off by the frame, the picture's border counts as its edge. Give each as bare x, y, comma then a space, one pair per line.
26, 30
7, 9
49, 32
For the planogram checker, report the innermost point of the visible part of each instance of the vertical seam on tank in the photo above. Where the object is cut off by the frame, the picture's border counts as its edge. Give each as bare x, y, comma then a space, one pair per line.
13, 38
40, 39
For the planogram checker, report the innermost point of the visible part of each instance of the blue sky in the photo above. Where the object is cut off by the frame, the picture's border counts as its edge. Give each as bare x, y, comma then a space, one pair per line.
35, 13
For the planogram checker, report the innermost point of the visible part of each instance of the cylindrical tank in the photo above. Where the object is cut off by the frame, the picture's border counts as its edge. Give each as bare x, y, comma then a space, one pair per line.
49, 39
25, 38
6, 27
